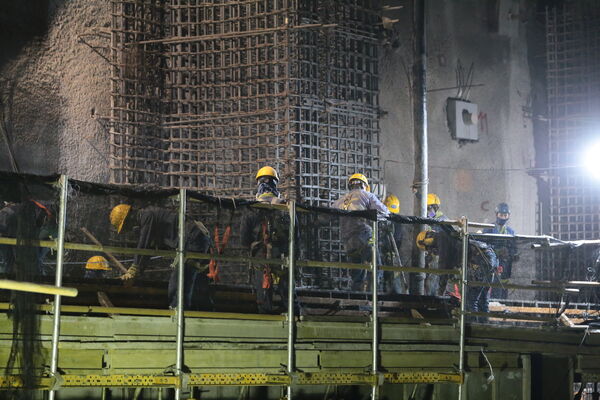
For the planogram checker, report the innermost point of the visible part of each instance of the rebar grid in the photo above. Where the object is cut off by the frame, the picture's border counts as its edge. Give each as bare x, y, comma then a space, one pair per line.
573, 89
206, 92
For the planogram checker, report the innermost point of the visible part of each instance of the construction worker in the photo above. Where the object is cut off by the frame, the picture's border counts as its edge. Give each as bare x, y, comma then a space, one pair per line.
434, 211
265, 233
434, 284
483, 262
504, 248
390, 240
158, 228
96, 268
30, 219
356, 233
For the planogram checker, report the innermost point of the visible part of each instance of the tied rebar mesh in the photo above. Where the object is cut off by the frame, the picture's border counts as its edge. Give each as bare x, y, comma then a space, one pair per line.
573, 89
204, 93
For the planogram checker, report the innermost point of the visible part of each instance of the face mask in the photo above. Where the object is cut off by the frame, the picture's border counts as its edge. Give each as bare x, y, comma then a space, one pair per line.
501, 221
267, 187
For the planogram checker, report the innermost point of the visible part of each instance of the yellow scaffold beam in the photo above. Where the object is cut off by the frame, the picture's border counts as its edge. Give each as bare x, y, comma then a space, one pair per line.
241, 379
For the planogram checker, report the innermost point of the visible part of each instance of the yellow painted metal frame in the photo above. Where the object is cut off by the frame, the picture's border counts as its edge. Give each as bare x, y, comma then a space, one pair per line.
239, 379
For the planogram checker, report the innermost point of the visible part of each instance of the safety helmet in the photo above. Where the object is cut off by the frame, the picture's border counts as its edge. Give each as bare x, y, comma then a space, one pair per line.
433, 199
425, 239
118, 215
392, 203
361, 178
502, 208
267, 171
97, 263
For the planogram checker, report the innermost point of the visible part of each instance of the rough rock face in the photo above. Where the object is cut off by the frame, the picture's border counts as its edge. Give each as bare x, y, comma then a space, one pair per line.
53, 85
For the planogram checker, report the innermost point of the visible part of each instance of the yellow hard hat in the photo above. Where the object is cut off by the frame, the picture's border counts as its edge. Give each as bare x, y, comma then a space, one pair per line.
267, 171
98, 263
392, 203
425, 239
433, 199
118, 215
361, 178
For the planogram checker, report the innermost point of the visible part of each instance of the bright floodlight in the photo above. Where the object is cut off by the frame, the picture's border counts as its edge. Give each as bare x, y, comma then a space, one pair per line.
591, 160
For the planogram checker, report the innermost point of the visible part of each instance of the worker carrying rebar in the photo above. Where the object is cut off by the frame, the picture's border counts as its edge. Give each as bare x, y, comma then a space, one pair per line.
390, 244
506, 249
158, 228
435, 285
30, 219
356, 233
482, 262
265, 232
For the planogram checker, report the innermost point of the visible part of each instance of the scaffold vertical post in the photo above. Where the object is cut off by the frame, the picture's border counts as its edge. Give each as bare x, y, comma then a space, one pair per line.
463, 302
60, 241
180, 286
374, 320
291, 361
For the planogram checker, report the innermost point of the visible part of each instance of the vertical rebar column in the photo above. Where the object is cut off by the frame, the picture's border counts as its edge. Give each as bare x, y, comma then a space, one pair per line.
60, 241
180, 282
463, 302
291, 362
374, 320
419, 99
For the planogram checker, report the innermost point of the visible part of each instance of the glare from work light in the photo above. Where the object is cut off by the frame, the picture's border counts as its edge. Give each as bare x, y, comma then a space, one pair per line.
591, 160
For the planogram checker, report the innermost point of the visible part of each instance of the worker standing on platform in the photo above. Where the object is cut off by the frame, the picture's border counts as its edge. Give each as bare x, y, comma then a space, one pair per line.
505, 249
390, 239
30, 219
356, 233
158, 228
435, 285
482, 261
265, 232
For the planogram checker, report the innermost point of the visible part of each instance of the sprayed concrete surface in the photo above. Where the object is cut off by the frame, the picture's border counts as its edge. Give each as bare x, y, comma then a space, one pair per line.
53, 86
470, 177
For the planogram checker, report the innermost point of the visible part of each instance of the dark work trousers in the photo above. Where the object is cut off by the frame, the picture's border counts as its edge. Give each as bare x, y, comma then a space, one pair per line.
478, 299
361, 253
196, 294
264, 296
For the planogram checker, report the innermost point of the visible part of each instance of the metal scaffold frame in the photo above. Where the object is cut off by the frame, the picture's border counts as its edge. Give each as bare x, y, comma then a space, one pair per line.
182, 378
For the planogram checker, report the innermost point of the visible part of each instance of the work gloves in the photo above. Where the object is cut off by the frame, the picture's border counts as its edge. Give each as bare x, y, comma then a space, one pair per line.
131, 273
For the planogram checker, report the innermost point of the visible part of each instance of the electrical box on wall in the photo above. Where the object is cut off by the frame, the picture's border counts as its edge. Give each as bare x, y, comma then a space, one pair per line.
462, 119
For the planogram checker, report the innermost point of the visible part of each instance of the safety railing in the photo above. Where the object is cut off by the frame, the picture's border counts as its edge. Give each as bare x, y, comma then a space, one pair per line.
376, 377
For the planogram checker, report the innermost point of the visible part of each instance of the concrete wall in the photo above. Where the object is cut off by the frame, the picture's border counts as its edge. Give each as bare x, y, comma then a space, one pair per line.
52, 84
470, 178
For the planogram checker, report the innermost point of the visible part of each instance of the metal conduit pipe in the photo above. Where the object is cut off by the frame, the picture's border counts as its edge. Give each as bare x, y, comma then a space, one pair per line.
180, 278
291, 361
374, 320
62, 221
37, 288
463, 304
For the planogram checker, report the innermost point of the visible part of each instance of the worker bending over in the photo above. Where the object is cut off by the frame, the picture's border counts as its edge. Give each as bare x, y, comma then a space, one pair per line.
356, 233
390, 240
158, 228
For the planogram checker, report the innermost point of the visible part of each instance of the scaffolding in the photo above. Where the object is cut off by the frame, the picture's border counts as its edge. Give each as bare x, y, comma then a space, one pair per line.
573, 90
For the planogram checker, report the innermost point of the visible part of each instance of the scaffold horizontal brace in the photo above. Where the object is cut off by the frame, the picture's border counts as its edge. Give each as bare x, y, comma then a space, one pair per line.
233, 379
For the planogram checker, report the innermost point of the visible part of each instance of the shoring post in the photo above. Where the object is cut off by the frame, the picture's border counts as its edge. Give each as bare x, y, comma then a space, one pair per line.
180, 286
463, 303
374, 320
291, 361
62, 221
